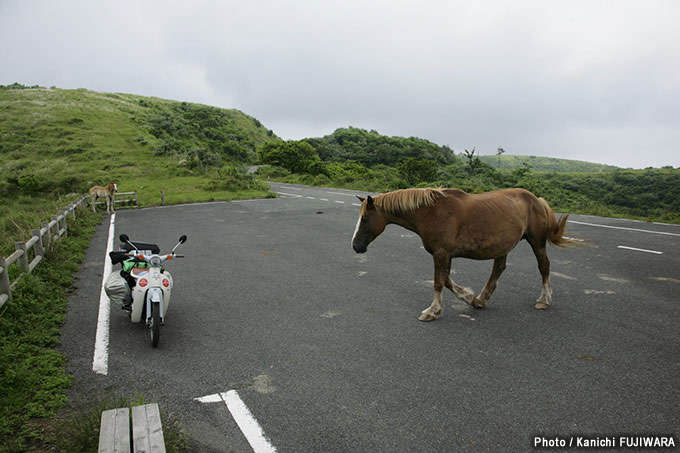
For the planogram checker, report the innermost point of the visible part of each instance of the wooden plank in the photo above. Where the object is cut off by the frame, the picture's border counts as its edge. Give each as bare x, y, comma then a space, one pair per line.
114, 431
147, 433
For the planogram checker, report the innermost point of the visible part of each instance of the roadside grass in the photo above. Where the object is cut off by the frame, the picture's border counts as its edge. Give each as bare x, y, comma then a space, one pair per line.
77, 429
33, 379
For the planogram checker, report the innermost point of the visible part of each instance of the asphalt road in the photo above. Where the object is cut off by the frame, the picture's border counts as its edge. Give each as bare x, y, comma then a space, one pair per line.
325, 349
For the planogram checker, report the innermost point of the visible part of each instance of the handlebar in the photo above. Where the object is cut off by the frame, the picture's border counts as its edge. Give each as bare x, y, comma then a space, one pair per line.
148, 258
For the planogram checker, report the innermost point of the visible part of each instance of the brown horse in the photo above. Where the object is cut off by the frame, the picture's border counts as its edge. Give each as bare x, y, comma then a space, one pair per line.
452, 223
106, 192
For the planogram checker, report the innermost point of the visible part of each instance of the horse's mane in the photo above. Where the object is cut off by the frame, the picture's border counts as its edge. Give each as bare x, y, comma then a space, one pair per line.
406, 200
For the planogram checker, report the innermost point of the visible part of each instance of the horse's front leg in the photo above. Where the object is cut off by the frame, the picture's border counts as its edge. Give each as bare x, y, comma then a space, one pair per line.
442, 267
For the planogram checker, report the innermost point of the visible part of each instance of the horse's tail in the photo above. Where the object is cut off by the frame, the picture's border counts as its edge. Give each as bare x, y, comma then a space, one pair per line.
556, 227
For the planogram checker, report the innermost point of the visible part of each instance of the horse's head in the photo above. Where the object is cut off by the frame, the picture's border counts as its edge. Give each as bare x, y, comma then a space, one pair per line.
115, 185
369, 226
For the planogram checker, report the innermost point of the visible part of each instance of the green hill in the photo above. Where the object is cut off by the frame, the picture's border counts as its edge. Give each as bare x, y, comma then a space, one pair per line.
370, 148
546, 164
55, 143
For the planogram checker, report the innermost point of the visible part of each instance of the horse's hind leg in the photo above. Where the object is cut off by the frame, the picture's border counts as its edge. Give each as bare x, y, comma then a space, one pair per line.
490, 287
544, 300
93, 199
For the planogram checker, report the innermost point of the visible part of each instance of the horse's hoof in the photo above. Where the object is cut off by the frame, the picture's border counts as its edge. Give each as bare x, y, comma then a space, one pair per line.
426, 317
477, 303
541, 306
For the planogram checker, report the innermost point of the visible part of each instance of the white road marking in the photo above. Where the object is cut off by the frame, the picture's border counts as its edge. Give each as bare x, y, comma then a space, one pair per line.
356, 204
244, 419
565, 276
323, 199
100, 361
342, 202
340, 193
624, 228
639, 250
214, 398
310, 198
289, 194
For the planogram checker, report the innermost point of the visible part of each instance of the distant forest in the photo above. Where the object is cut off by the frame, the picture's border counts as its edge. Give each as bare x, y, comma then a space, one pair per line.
365, 160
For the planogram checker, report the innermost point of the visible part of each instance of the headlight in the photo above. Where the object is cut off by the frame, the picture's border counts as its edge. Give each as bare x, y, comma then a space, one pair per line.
155, 260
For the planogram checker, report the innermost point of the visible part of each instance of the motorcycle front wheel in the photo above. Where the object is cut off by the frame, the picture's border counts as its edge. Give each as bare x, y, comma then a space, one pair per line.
155, 325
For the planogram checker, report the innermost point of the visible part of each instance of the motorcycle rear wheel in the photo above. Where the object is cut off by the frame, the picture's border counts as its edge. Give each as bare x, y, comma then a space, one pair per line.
155, 325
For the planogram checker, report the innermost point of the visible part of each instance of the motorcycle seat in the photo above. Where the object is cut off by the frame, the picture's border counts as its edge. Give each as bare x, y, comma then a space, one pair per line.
153, 248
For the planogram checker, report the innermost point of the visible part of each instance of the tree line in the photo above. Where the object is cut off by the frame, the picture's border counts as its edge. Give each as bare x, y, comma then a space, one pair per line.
365, 160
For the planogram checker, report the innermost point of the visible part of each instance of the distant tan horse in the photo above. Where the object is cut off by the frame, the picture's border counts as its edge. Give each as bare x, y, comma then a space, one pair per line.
452, 223
105, 192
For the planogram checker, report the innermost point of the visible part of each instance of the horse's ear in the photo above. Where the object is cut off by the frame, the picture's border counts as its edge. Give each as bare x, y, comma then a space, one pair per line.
360, 199
370, 204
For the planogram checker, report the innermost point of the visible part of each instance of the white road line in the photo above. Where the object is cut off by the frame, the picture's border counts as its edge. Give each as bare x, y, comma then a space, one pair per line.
245, 420
323, 199
100, 361
639, 250
624, 228
310, 198
342, 202
340, 193
289, 194
356, 204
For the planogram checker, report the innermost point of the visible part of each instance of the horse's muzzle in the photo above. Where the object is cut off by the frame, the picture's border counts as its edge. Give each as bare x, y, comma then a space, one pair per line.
359, 248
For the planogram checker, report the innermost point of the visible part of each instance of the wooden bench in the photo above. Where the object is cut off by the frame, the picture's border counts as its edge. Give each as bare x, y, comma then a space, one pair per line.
144, 434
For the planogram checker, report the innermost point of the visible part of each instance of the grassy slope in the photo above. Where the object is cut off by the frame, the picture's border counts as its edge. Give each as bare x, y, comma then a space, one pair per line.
546, 164
57, 143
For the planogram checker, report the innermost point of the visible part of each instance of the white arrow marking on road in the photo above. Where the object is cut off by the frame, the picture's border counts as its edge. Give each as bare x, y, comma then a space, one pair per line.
244, 419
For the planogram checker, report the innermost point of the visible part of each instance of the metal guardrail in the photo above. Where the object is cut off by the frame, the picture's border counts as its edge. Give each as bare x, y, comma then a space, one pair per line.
41, 240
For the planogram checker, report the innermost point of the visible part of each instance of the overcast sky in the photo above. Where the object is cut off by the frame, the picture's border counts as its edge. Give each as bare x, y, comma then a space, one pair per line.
588, 80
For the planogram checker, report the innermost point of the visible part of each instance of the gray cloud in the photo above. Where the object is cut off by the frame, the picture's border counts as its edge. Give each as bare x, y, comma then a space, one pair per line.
587, 80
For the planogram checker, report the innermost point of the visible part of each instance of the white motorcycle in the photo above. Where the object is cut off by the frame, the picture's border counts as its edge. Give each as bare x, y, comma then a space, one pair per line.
151, 284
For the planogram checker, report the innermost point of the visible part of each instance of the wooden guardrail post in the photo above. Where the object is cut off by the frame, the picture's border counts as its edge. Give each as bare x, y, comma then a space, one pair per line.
23, 257
54, 224
38, 248
5, 287
65, 225
46, 227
